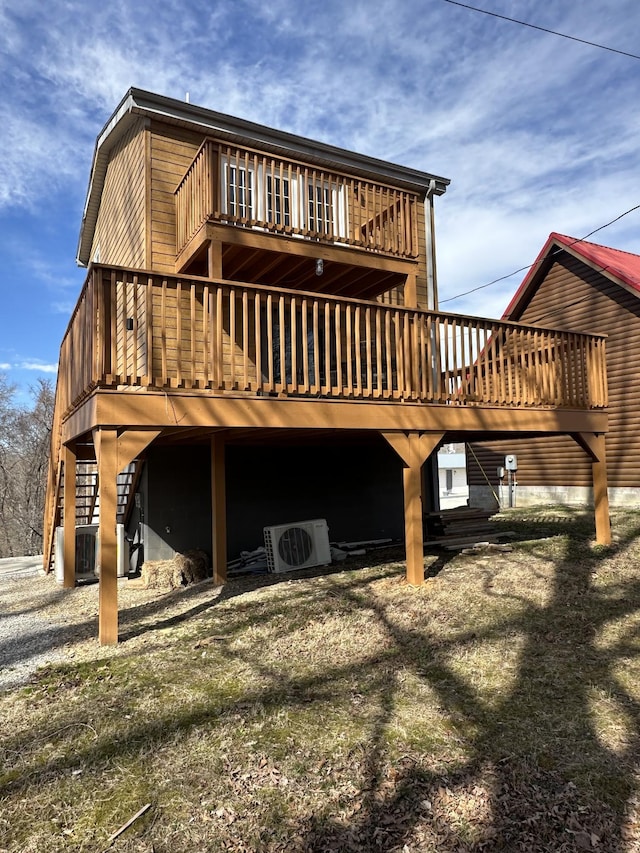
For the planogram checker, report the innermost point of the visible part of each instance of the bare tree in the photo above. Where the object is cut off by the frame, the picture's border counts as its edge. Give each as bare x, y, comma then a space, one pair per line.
24, 452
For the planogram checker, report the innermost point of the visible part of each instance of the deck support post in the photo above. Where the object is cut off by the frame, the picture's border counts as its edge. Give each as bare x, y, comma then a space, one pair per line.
69, 518
218, 509
106, 444
411, 291
113, 453
594, 445
214, 259
413, 448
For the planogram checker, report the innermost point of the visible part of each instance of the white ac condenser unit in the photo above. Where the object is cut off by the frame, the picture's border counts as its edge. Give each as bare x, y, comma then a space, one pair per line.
87, 552
298, 545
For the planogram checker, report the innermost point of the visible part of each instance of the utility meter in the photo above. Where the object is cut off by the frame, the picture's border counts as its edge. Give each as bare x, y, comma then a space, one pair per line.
500, 472
511, 462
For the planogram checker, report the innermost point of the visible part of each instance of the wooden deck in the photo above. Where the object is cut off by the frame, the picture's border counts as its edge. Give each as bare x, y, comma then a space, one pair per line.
146, 355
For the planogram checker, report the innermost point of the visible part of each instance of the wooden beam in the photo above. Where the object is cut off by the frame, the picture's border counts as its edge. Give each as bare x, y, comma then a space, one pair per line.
218, 509
595, 446
69, 520
292, 246
413, 448
132, 442
106, 443
189, 409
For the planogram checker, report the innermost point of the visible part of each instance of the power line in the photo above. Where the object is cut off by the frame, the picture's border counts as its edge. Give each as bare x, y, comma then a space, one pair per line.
529, 266
543, 29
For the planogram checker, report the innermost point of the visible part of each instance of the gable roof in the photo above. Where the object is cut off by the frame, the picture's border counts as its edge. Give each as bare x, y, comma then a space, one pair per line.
622, 268
138, 103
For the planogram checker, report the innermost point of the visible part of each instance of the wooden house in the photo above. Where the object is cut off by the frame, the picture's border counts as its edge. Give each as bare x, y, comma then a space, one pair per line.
258, 341
578, 285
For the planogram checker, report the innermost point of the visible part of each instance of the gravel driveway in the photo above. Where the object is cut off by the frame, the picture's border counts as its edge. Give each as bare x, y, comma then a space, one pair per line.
29, 638
41, 622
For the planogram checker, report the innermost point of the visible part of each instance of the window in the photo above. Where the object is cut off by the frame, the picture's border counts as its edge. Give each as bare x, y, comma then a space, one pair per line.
278, 201
240, 192
319, 208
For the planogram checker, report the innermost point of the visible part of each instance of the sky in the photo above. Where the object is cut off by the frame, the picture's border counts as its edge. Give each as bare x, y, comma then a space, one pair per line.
537, 133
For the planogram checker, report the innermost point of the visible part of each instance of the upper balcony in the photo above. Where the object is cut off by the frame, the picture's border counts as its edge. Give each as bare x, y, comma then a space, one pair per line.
250, 189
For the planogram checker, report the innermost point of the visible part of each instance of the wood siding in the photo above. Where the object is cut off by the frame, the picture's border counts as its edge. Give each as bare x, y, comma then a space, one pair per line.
172, 151
575, 296
120, 229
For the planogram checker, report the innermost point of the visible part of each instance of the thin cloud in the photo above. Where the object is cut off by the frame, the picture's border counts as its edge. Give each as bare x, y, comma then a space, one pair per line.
39, 366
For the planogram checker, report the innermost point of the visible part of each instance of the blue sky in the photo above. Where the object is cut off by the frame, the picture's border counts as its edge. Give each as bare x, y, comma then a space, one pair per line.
537, 133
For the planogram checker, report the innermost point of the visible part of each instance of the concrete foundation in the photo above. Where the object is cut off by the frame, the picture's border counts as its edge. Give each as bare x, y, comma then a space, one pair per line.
526, 496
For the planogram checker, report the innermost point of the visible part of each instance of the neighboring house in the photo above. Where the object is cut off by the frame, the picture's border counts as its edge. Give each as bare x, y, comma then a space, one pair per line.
258, 342
452, 476
582, 286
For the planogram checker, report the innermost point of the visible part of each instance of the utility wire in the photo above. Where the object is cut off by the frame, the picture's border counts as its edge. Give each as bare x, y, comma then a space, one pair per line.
529, 266
543, 29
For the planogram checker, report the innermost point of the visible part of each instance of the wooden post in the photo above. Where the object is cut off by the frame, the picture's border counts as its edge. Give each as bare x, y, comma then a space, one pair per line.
69, 520
601, 499
218, 509
413, 448
413, 534
594, 444
106, 444
215, 259
411, 292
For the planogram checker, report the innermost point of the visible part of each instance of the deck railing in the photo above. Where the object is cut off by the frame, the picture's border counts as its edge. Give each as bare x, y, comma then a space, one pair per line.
253, 189
140, 329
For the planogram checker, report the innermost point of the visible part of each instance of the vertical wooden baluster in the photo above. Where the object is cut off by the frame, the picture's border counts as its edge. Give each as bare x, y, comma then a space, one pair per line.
245, 339
293, 385
219, 337
327, 349
163, 341
399, 323
368, 336
282, 385
179, 334
358, 350
391, 385
259, 386
193, 333
205, 336
478, 355
316, 347
233, 340
338, 333
304, 315
349, 348
270, 341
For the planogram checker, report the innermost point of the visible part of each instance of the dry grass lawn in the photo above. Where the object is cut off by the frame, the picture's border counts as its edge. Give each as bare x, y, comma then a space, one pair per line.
496, 708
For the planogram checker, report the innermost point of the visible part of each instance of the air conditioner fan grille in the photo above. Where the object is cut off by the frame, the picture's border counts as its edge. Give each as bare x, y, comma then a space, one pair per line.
295, 546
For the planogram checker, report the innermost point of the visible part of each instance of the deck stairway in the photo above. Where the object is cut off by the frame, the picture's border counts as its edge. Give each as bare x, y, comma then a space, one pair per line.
88, 494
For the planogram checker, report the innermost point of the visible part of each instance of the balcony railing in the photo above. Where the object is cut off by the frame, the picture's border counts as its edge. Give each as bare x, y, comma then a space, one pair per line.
139, 329
252, 189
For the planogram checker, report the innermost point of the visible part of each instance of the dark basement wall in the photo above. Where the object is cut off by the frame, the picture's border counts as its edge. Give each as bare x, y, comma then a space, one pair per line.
177, 500
358, 489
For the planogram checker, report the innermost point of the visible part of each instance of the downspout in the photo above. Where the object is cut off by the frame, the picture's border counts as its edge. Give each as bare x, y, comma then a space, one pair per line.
432, 281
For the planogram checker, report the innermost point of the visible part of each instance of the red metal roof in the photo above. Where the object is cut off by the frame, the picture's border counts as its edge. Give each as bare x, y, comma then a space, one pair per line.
612, 262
